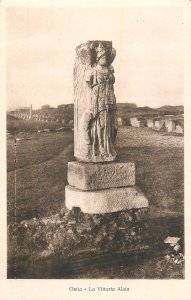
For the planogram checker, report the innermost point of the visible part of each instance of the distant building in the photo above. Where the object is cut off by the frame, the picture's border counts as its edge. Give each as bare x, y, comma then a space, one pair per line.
71, 122
70, 106
65, 107
179, 129
30, 115
120, 121
169, 125
45, 107
179, 126
150, 123
159, 124
61, 106
137, 122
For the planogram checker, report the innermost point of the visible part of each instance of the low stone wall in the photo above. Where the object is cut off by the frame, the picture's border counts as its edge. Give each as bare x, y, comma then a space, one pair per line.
73, 232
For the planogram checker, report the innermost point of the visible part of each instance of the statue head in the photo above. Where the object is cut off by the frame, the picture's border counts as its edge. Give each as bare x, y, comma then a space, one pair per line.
101, 54
96, 52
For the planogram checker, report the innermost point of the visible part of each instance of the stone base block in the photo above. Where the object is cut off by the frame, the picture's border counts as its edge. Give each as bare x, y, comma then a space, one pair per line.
105, 201
88, 177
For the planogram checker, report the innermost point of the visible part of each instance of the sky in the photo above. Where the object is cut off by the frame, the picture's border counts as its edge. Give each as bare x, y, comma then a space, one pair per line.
41, 46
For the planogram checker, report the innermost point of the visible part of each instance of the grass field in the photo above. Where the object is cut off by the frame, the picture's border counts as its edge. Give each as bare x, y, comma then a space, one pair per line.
40, 170
36, 182
159, 166
36, 185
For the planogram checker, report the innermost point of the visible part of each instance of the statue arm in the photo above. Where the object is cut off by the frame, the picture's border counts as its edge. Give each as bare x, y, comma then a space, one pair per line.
112, 79
111, 76
89, 78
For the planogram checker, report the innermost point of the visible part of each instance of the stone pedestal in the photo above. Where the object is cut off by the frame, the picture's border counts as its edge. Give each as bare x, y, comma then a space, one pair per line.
103, 188
111, 210
105, 201
89, 176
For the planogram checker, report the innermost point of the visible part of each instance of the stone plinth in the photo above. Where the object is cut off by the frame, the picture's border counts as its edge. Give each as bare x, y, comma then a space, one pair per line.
88, 177
105, 201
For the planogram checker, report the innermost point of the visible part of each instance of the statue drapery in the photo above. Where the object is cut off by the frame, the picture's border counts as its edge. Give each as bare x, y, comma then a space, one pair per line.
95, 103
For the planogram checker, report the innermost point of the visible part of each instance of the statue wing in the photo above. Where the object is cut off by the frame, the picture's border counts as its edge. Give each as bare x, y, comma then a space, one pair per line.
82, 92
112, 55
81, 67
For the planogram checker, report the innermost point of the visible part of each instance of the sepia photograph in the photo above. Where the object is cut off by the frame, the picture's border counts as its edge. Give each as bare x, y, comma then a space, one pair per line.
95, 145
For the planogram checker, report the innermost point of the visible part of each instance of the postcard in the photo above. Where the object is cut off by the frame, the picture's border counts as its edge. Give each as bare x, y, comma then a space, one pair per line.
95, 121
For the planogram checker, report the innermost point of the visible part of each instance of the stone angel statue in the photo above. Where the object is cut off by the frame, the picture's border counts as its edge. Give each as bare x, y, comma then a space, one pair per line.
95, 126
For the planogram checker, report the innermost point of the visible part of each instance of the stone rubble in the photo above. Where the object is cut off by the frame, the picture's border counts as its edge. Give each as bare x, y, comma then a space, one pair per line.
73, 232
174, 250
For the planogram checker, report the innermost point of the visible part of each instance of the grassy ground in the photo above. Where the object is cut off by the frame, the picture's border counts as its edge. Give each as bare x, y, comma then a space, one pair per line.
41, 170
40, 174
159, 166
41, 148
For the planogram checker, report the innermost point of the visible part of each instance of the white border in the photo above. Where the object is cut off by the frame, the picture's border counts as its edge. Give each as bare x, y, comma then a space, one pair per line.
59, 289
